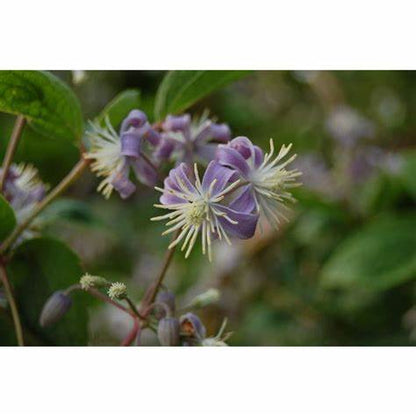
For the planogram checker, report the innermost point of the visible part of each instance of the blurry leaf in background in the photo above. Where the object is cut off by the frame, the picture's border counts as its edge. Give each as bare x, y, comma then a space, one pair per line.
70, 210
180, 89
380, 256
7, 219
118, 108
38, 268
408, 172
50, 106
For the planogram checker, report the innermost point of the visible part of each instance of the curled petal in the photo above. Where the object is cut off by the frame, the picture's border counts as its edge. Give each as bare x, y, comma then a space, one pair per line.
177, 123
135, 119
145, 172
233, 159
130, 144
220, 174
153, 137
220, 132
123, 185
245, 201
243, 226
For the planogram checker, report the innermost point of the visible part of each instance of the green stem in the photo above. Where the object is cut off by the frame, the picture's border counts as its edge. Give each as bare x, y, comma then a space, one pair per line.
58, 190
11, 148
133, 308
151, 296
12, 303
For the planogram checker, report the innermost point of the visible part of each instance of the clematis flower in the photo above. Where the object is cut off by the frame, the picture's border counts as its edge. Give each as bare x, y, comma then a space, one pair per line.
191, 141
207, 207
267, 178
23, 189
115, 154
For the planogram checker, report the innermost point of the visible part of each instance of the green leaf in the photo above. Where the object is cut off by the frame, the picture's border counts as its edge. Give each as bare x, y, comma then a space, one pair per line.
49, 105
408, 172
118, 108
380, 256
38, 268
70, 210
7, 219
180, 89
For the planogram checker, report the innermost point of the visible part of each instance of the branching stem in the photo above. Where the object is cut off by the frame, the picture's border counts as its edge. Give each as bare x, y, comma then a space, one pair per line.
58, 190
11, 148
13, 307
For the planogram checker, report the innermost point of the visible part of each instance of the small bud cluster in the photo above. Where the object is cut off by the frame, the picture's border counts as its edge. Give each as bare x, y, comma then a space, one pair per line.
187, 330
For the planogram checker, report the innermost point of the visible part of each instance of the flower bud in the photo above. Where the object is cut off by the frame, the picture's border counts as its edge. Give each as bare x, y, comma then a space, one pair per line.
204, 299
88, 281
55, 308
136, 118
167, 299
192, 326
117, 291
177, 123
168, 332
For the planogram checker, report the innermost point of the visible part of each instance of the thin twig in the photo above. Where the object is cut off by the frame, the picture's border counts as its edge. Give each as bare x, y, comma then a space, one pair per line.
12, 303
11, 148
59, 189
96, 293
151, 296
131, 336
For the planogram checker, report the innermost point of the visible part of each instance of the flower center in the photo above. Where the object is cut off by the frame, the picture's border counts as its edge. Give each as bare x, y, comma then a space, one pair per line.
197, 212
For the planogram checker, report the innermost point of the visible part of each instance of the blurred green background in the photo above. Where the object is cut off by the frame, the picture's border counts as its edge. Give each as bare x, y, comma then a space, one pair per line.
342, 272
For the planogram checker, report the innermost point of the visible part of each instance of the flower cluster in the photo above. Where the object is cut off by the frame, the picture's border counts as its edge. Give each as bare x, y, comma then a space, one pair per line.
240, 185
23, 189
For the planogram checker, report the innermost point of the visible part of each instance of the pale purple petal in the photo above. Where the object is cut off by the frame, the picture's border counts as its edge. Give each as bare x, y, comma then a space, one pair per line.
145, 172
244, 201
123, 185
221, 174
177, 123
233, 159
246, 223
220, 132
136, 118
204, 133
130, 144
206, 152
182, 173
152, 136
164, 150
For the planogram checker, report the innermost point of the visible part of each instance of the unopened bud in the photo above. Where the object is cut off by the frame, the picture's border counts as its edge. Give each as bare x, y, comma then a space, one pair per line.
87, 281
55, 308
168, 300
204, 299
192, 326
117, 291
168, 332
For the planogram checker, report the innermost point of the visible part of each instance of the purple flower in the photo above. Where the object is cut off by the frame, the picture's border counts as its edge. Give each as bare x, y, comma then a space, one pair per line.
209, 206
347, 126
115, 155
24, 190
266, 176
189, 141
